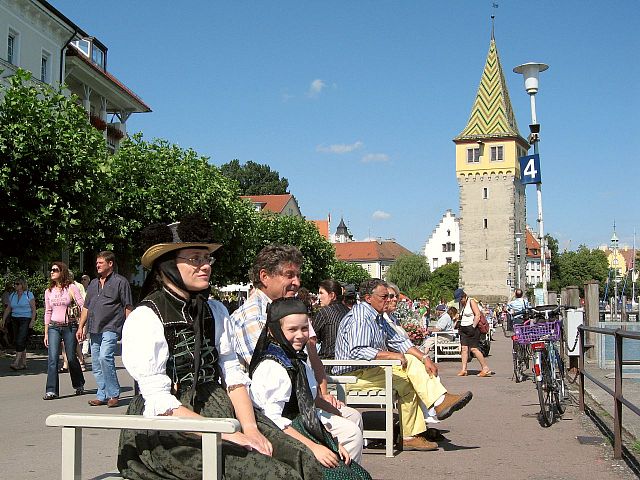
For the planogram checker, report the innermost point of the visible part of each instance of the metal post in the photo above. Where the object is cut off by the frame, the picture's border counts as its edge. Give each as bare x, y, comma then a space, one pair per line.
581, 369
543, 248
617, 399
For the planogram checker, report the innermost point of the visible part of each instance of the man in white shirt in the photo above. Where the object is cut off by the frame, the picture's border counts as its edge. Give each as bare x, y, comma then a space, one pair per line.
444, 324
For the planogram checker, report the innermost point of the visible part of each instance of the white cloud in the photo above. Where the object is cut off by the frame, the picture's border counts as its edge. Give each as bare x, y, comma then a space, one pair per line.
375, 157
316, 87
380, 215
340, 148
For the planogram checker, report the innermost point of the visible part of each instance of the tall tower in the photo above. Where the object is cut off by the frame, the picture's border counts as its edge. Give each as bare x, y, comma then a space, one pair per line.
492, 199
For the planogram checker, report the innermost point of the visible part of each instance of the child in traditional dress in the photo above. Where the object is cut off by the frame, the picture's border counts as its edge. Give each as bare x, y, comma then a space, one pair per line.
283, 386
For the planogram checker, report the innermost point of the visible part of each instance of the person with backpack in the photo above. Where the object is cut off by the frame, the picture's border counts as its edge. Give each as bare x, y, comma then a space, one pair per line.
22, 311
470, 333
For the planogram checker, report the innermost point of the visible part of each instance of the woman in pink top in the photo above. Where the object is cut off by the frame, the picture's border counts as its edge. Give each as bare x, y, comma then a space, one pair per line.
59, 327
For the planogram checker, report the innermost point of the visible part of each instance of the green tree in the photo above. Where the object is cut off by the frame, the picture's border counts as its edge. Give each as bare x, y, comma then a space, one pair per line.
158, 181
50, 161
409, 271
446, 278
348, 272
254, 178
552, 245
576, 267
318, 253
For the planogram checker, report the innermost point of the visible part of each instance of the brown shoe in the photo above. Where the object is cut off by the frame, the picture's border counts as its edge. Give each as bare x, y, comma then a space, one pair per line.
96, 403
452, 403
420, 444
112, 402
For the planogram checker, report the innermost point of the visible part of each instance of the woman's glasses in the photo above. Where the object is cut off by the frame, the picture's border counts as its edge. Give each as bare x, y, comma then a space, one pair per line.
391, 296
199, 261
55, 269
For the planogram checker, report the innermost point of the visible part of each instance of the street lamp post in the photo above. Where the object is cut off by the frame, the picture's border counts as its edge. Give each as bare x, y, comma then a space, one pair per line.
518, 238
530, 72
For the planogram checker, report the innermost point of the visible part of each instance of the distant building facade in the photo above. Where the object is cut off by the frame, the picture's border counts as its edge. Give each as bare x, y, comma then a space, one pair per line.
39, 38
492, 199
534, 254
375, 257
443, 246
342, 234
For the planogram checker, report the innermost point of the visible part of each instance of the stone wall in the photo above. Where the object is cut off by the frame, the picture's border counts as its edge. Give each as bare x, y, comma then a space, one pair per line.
492, 210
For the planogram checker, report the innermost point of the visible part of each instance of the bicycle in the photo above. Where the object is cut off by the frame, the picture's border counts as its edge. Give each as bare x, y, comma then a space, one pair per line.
548, 366
521, 354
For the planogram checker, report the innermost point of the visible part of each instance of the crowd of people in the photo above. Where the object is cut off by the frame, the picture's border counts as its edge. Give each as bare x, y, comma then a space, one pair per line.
261, 364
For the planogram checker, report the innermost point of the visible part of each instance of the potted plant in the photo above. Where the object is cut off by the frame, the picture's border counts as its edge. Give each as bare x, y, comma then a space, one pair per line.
97, 122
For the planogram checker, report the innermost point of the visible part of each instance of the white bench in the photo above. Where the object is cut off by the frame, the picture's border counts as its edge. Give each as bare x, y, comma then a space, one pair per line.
370, 398
444, 347
73, 423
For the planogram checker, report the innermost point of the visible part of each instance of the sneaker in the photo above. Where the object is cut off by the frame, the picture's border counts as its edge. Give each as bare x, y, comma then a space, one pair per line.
49, 396
419, 444
80, 391
452, 403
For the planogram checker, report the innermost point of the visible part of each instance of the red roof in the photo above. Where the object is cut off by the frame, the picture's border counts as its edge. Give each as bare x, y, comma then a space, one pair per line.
271, 203
74, 52
322, 226
369, 251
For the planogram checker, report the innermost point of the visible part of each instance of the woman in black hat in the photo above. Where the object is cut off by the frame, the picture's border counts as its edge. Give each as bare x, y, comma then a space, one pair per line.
177, 346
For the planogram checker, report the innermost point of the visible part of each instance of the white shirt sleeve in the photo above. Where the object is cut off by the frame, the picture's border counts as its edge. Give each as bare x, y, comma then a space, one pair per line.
145, 353
232, 372
270, 391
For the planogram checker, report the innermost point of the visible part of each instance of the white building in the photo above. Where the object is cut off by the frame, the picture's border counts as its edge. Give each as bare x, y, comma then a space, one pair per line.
443, 246
35, 36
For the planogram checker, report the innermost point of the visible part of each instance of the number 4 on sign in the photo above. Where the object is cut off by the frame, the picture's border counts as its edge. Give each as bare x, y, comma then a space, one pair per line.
530, 169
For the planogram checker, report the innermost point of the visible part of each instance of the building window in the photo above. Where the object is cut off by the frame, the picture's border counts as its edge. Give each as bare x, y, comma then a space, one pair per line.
12, 47
486, 254
435, 263
97, 56
449, 247
45, 67
486, 223
473, 155
82, 45
497, 153
449, 260
448, 233
485, 193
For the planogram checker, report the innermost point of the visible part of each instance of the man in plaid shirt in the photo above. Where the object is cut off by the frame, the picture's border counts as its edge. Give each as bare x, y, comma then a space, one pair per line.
276, 274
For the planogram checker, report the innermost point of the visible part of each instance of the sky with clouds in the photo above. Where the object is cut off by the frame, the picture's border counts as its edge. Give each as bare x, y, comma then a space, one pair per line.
356, 103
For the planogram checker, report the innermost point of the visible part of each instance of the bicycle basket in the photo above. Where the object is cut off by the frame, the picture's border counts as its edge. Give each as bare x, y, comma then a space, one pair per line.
532, 333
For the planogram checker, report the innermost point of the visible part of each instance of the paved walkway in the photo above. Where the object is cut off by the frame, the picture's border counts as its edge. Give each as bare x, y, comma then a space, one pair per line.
496, 436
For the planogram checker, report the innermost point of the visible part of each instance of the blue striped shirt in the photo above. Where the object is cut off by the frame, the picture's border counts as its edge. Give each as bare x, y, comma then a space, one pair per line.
363, 332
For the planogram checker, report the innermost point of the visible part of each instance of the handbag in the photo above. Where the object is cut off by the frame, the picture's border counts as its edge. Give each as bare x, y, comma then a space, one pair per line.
73, 309
483, 325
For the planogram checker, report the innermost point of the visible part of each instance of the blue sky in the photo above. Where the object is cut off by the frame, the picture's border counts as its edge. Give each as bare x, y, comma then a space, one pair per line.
356, 102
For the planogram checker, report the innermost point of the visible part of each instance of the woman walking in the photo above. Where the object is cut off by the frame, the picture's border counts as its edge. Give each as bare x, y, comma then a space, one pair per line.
59, 326
22, 312
469, 333
178, 347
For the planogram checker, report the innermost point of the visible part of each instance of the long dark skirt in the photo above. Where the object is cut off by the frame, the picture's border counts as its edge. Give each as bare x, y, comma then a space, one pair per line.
154, 455
353, 471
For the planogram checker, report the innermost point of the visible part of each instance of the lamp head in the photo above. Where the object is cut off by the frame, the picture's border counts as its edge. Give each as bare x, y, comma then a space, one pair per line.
530, 72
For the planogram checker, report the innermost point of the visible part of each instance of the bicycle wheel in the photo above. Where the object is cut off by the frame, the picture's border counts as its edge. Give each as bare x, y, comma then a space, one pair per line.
560, 390
520, 362
545, 392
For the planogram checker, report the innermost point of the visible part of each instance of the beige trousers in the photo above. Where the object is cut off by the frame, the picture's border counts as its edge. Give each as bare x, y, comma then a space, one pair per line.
347, 429
413, 385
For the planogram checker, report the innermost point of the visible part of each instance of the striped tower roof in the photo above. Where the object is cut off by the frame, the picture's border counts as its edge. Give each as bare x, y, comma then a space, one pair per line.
492, 115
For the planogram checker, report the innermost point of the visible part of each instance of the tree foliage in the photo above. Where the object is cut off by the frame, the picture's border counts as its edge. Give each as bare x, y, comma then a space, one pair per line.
254, 178
577, 267
158, 181
50, 171
409, 271
350, 273
441, 284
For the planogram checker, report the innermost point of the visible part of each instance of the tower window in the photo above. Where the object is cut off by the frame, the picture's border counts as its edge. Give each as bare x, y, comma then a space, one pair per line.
486, 254
497, 153
12, 47
485, 193
486, 223
473, 155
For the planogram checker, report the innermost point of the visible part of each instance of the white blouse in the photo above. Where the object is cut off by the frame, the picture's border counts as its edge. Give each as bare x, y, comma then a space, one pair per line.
145, 353
271, 389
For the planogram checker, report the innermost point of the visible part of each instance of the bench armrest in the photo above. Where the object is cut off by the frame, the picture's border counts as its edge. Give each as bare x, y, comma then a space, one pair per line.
362, 363
341, 379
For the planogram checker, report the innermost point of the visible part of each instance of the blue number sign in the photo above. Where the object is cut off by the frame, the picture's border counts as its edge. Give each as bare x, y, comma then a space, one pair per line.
530, 169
